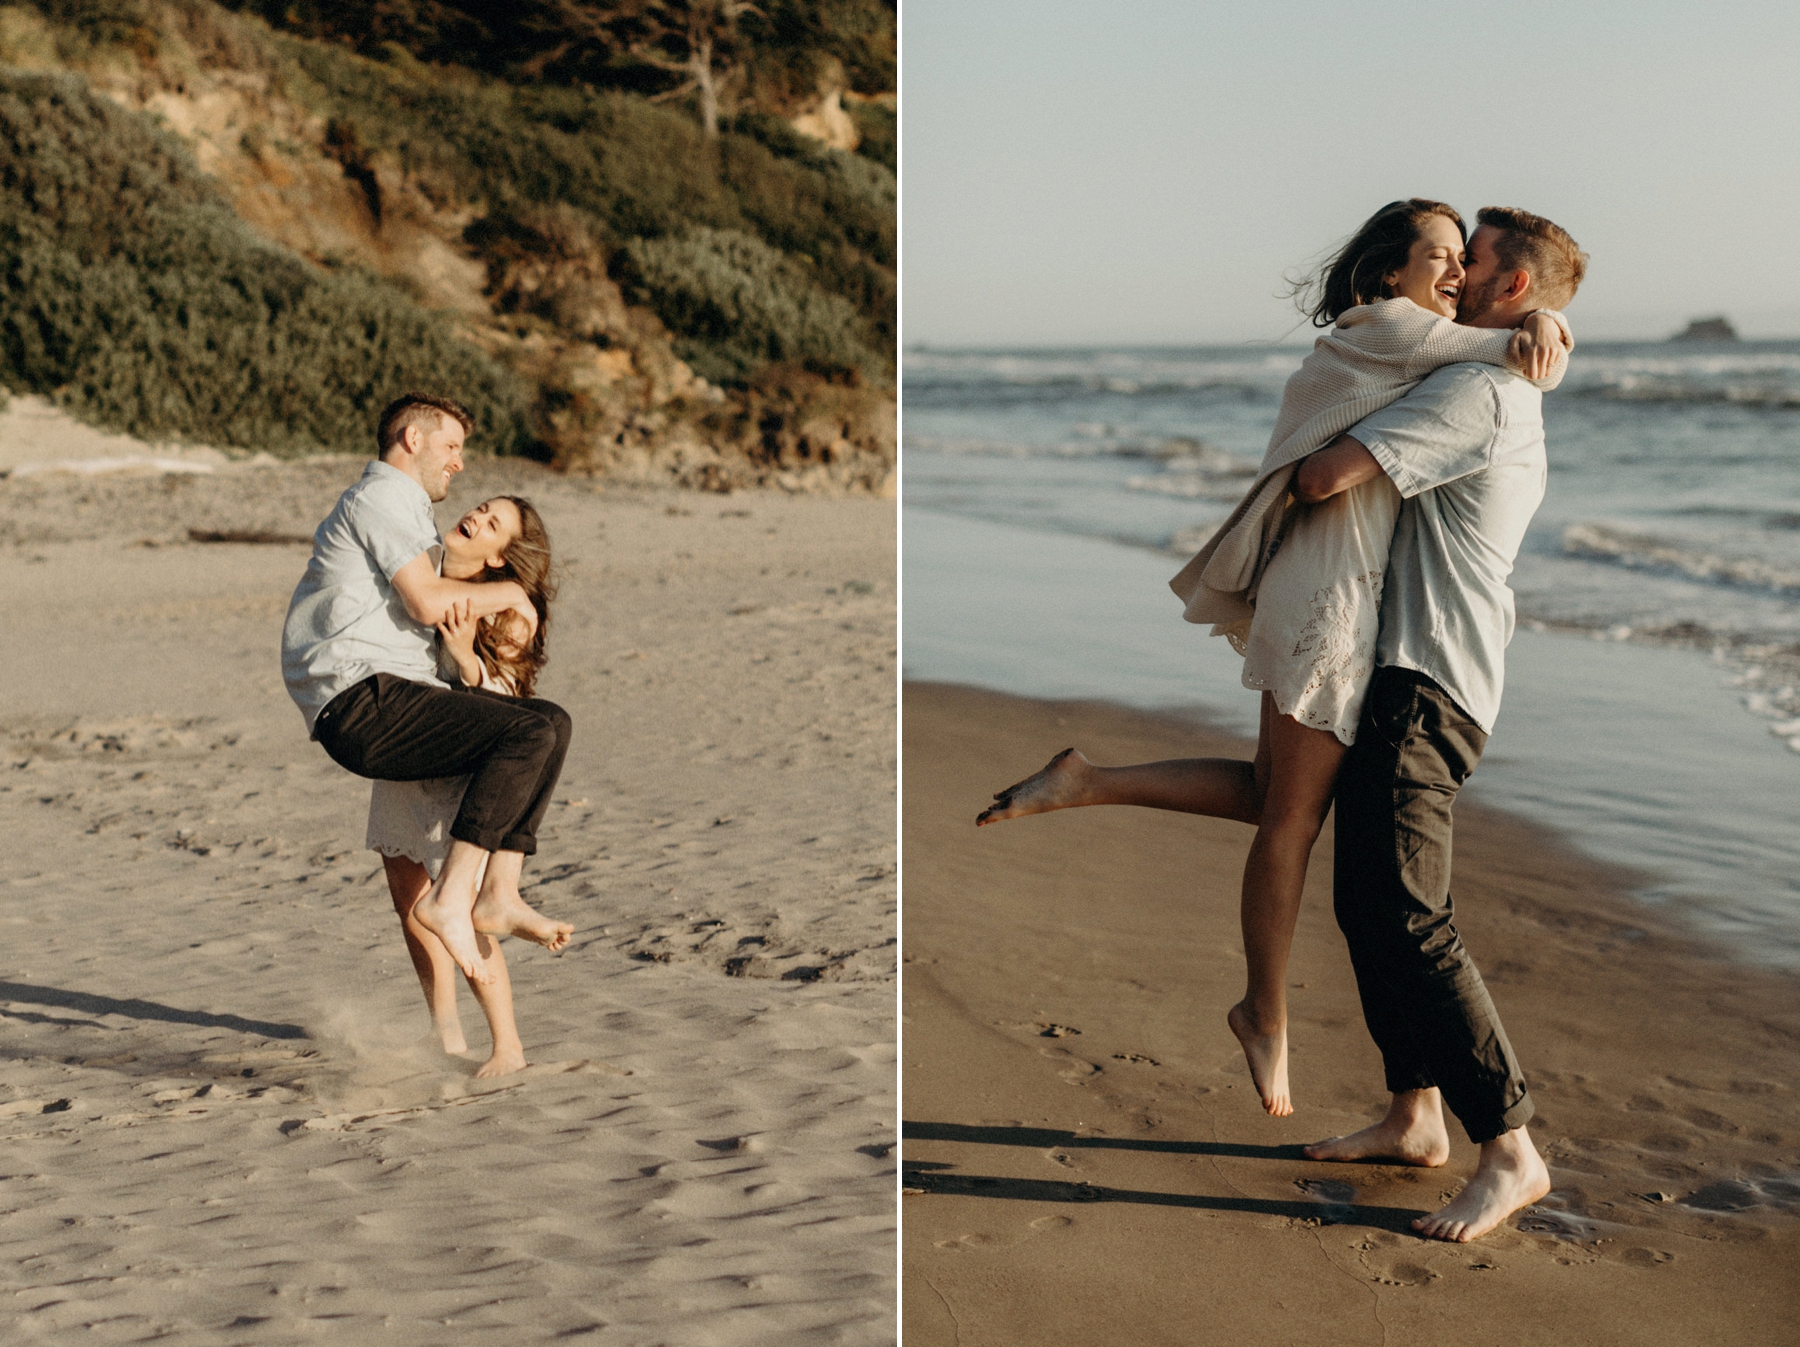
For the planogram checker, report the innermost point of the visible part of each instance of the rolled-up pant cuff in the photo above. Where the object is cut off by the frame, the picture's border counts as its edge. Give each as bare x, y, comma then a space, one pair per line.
1486, 1129
1481, 1124
1402, 1082
493, 840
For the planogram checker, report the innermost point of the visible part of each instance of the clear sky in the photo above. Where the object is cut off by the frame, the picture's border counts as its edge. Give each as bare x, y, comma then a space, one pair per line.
1127, 171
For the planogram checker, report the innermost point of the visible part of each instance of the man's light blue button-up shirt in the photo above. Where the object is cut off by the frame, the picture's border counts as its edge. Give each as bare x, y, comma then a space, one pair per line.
345, 621
1466, 450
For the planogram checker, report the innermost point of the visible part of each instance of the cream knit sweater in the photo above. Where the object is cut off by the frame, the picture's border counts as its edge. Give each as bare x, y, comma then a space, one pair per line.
1375, 354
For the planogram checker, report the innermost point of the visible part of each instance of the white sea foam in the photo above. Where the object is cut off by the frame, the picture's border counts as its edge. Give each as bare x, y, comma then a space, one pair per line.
1757, 376
1603, 543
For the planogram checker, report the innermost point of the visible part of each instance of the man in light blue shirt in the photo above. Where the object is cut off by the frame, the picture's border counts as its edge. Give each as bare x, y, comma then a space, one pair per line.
1466, 451
359, 656
346, 620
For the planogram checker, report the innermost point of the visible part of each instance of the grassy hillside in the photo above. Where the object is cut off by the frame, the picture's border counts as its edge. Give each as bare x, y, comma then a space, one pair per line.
129, 291
633, 168
580, 239
774, 56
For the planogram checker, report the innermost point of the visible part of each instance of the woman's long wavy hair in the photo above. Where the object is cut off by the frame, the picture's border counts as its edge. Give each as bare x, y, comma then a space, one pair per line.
499, 643
1354, 274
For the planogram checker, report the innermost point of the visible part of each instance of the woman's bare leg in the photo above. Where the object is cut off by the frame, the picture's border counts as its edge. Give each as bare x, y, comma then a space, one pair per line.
1218, 787
495, 998
1285, 790
1303, 767
408, 882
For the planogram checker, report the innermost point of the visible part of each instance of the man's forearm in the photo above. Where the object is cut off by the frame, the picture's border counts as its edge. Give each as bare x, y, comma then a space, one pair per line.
484, 599
428, 595
1340, 465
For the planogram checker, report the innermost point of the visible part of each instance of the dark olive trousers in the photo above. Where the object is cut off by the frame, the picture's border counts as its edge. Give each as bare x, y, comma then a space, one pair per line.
510, 748
1423, 999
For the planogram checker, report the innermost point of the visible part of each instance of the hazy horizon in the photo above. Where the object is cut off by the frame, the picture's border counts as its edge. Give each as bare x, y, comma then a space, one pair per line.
1075, 176
1300, 340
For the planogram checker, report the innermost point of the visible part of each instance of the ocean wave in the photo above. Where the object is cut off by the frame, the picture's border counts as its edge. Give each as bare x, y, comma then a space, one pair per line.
1178, 454
1123, 373
1637, 389
1187, 486
1599, 542
1025, 388
1759, 378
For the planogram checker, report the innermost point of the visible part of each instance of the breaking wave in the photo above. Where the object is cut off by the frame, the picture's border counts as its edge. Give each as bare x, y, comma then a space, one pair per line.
1598, 542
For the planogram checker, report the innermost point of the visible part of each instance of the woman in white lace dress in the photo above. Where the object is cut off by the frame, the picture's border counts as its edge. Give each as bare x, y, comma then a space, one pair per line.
1297, 588
409, 821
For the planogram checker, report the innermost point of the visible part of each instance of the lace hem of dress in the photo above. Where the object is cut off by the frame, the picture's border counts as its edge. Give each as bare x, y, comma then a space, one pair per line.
1346, 734
1238, 633
410, 853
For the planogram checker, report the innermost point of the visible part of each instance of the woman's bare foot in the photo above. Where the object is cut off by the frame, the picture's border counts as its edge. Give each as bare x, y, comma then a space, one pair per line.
450, 923
1510, 1175
504, 912
1060, 785
450, 1038
1413, 1133
504, 1062
1267, 1055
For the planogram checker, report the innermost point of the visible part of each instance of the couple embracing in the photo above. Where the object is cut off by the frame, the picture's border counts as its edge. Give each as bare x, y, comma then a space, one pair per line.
413, 658
1363, 578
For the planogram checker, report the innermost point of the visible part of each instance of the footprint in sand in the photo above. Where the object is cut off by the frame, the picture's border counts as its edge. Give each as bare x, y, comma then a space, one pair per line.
1075, 1071
1402, 1274
1337, 1198
989, 1242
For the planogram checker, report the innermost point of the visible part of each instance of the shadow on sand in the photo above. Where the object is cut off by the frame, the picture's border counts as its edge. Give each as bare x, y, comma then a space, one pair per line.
91, 1004
1325, 1205
1045, 1137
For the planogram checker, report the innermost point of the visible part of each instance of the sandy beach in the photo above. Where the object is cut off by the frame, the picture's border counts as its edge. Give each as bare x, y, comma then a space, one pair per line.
1086, 1160
221, 1120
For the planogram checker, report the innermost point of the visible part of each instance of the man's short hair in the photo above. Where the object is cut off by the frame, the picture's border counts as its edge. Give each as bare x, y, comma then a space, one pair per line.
1531, 243
417, 409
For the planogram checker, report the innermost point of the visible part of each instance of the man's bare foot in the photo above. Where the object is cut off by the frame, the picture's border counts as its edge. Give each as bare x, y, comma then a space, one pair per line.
504, 1062
1267, 1055
1413, 1133
1510, 1175
506, 913
450, 923
1058, 786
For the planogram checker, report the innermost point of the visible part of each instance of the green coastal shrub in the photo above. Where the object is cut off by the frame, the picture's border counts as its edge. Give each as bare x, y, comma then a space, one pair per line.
778, 48
740, 305
643, 171
132, 294
489, 141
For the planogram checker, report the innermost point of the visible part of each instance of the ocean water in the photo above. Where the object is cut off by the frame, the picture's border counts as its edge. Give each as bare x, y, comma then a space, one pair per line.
1652, 707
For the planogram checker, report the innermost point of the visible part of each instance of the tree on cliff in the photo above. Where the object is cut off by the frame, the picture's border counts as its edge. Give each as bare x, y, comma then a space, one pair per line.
682, 37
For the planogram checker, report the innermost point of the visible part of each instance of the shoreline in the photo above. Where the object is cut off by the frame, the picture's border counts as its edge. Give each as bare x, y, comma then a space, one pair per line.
1638, 753
1086, 1160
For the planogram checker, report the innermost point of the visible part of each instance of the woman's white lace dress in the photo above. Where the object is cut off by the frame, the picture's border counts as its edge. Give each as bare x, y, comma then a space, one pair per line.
1318, 609
413, 818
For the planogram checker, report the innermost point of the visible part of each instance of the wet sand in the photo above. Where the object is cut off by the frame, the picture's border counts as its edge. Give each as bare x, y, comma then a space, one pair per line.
1085, 1157
220, 1119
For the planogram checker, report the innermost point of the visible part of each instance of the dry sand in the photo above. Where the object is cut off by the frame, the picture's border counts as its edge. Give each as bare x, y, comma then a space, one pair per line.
1087, 1162
220, 1118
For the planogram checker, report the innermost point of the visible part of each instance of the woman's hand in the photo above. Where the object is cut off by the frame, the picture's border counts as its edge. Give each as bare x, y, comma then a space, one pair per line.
458, 632
1536, 345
